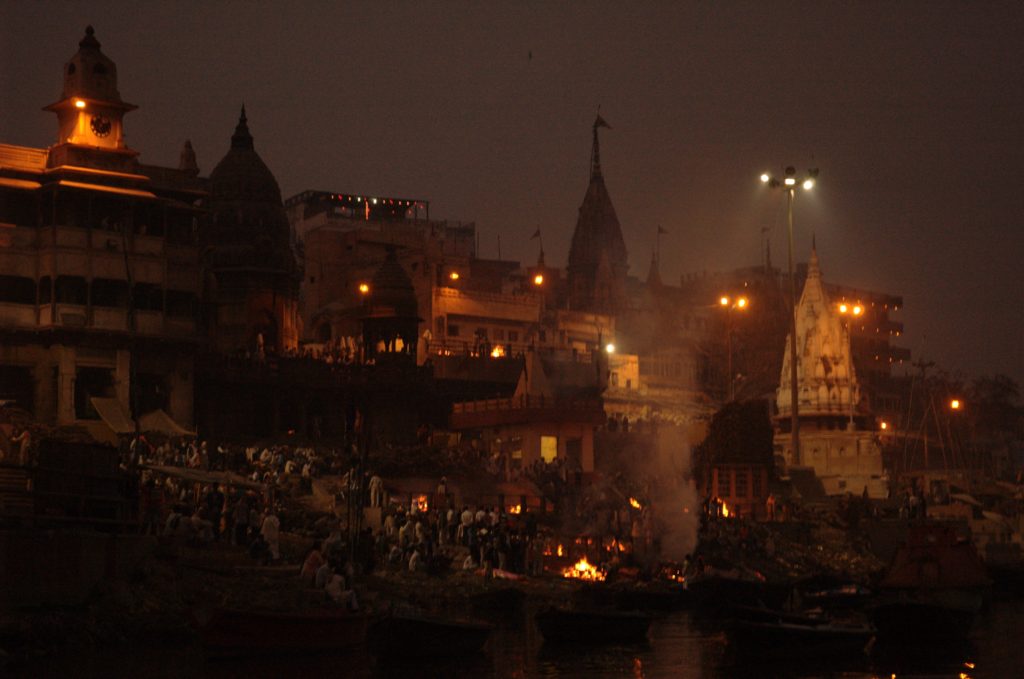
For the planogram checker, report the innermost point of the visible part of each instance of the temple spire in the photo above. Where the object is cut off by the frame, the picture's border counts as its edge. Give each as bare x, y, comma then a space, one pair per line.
242, 139
595, 152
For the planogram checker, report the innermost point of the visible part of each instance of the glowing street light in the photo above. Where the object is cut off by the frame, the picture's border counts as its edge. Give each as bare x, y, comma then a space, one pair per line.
954, 404
609, 348
454, 275
789, 182
79, 103
364, 289
538, 279
729, 304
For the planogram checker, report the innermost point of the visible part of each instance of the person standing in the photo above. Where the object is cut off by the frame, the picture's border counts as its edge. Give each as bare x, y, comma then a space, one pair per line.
214, 502
270, 529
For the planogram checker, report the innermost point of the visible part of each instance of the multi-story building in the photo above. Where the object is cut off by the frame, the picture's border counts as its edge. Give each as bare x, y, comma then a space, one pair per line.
99, 267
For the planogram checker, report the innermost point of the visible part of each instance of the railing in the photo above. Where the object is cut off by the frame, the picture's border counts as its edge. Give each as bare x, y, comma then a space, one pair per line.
523, 402
476, 349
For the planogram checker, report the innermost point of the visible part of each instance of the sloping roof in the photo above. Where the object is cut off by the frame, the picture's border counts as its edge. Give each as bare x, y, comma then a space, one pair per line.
160, 421
114, 414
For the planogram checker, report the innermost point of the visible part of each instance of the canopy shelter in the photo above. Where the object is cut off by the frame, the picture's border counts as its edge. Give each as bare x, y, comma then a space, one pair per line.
115, 415
224, 478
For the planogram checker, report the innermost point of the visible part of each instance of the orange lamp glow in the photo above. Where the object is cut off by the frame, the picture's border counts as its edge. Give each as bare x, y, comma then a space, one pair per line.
884, 426
538, 279
454, 275
723, 300
858, 310
955, 404
843, 308
742, 302
364, 288
79, 103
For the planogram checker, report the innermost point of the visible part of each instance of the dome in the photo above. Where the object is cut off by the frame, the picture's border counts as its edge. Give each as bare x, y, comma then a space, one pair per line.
247, 225
90, 73
391, 290
242, 175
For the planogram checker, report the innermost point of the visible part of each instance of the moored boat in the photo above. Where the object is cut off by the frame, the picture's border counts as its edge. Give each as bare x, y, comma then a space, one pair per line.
407, 635
592, 626
782, 638
229, 632
933, 589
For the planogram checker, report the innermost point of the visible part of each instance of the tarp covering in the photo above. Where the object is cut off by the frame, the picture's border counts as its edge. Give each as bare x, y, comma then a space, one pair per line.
113, 414
209, 477
160, 421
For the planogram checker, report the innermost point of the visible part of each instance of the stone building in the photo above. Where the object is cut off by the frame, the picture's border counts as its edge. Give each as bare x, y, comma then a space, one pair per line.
837, 433
99, 265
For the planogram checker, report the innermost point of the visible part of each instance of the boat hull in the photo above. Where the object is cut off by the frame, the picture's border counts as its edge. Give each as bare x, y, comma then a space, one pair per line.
784, 640
592, 627
406, 636
232, 632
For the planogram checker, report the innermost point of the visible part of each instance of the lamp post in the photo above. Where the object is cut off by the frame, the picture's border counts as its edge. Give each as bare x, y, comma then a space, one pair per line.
789, 182
729, 304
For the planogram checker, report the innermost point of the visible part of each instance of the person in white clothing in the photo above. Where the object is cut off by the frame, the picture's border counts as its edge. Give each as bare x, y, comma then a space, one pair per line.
271, 532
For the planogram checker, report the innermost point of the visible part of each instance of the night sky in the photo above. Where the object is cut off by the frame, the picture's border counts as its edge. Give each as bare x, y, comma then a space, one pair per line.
912, 111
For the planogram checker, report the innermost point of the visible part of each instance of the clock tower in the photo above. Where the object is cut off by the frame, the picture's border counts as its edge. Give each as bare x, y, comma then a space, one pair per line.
90, 112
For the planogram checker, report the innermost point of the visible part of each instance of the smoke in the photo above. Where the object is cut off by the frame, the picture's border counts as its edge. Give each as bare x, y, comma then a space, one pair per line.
675, 500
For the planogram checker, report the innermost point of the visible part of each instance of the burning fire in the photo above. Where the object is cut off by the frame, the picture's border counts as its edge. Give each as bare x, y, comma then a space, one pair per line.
634, 503
420, 501
582, 570
515, 509
725, 511
559, 550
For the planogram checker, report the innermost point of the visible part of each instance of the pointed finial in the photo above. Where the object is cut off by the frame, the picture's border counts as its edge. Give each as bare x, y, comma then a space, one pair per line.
813, 270
187, 160
89, 41
595, 152
242, 139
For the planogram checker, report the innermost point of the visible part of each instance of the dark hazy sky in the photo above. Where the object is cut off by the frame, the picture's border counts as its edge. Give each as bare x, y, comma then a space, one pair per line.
912, 111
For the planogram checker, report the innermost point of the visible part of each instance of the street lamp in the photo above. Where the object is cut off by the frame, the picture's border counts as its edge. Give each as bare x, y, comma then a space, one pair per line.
727, 303
789, 182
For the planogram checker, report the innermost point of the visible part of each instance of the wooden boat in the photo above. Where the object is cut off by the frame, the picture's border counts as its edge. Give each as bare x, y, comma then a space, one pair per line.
409, 635
592, 626
933, 589
766, 633
228, 632
498, 600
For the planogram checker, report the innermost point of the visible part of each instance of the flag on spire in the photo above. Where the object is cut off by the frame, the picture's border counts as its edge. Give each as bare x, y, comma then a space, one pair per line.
536, 234
661, 230
600, 122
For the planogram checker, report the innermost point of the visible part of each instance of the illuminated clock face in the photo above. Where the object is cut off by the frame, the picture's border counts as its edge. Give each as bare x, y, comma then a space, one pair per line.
100, 126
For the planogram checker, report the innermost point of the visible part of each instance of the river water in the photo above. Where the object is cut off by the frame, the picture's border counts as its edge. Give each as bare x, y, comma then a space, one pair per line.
679, 646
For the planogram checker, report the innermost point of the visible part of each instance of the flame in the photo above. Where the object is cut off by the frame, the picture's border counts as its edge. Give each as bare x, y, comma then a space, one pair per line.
725, 510
516, 509
559, 551
498, 351
634, 503
421, 503
582, 570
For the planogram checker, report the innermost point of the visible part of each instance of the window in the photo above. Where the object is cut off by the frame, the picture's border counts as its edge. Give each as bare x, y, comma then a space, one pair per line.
723, 483
71, 290
499, 334
17, 290
148, 297
741, 481
109, 293
181, 304
513, 336
91, 383
548, 448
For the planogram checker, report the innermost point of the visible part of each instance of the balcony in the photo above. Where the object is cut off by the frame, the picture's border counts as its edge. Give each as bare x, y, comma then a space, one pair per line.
20, 315
104, 318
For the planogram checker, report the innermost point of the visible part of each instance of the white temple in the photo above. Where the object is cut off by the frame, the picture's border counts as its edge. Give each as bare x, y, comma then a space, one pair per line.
837, 439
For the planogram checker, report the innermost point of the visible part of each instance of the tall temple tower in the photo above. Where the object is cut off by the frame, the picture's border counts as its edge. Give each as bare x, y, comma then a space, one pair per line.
597, 257
253, 277
836, 437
